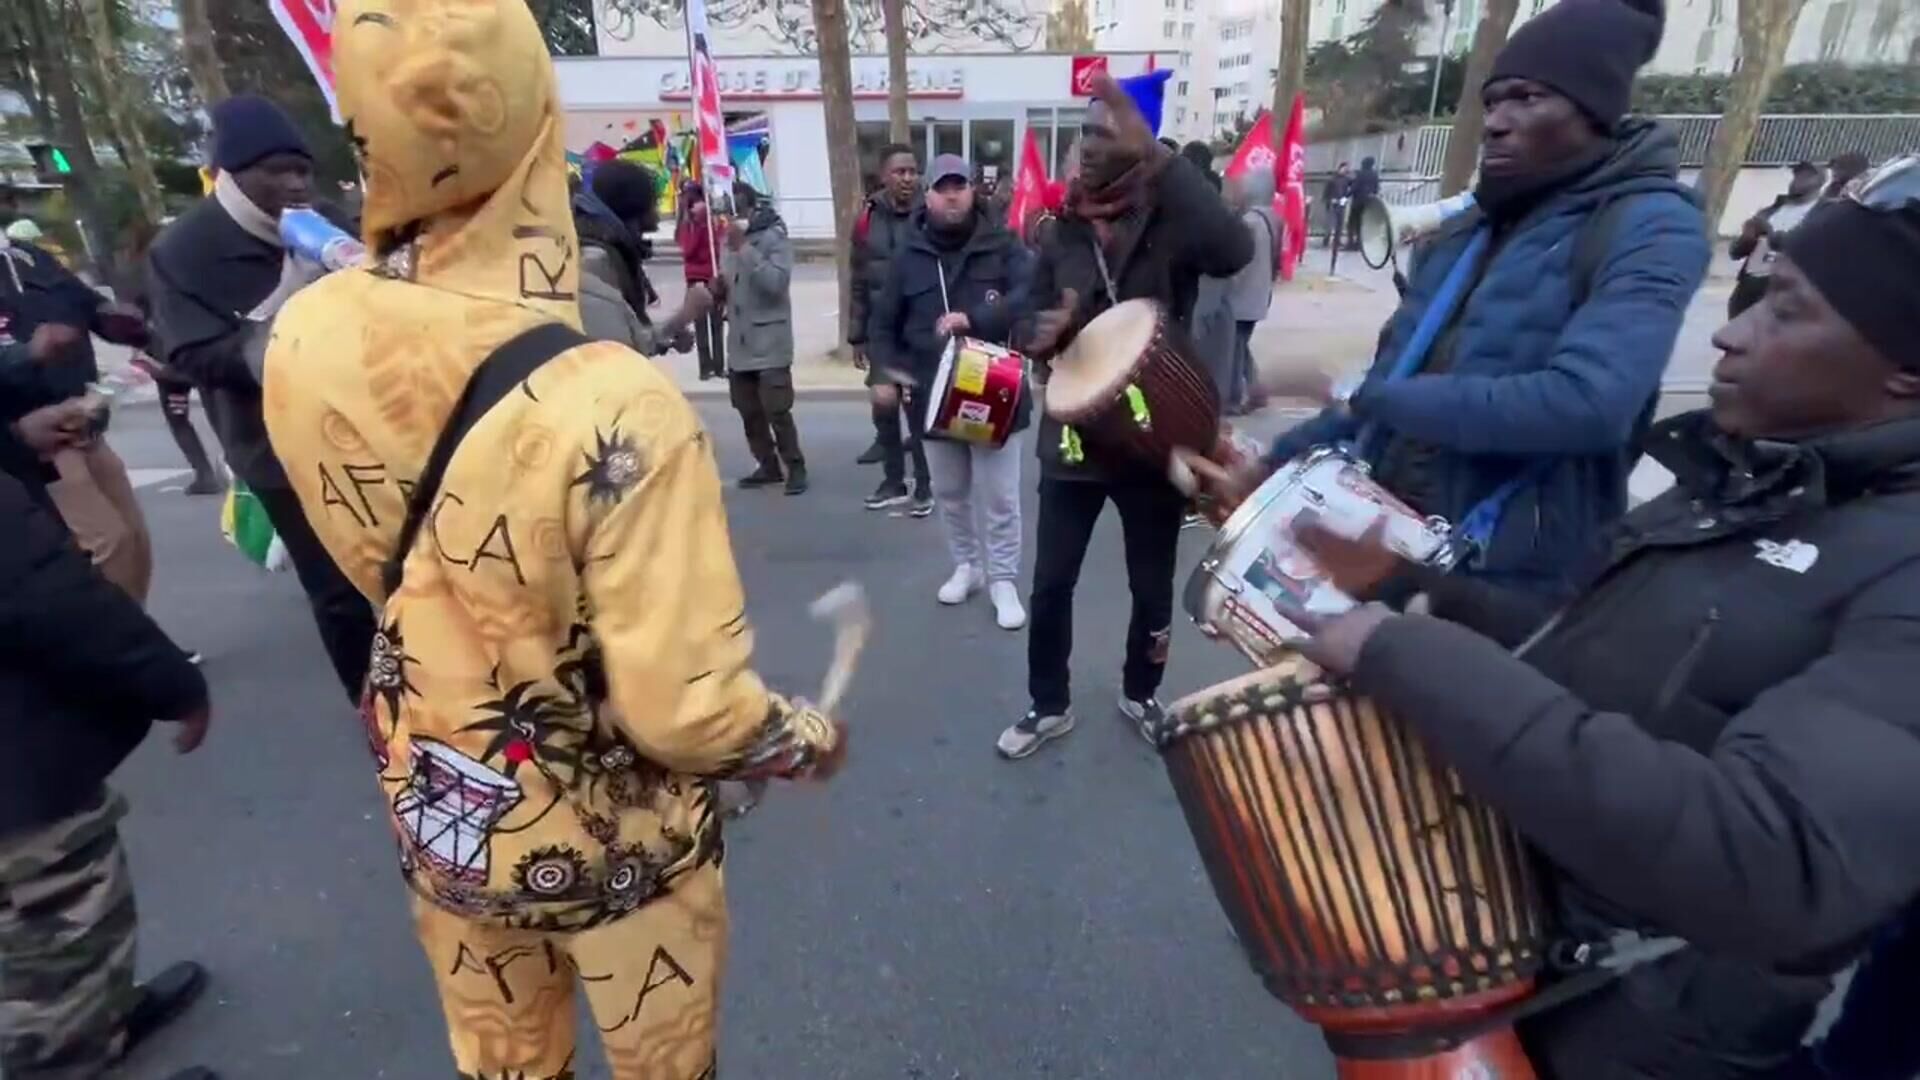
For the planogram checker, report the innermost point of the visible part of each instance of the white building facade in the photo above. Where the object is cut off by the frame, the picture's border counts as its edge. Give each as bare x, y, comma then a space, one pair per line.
975, 90
1224, 51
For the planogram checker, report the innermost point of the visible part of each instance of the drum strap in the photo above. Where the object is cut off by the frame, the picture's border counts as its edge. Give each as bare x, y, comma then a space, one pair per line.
505, 368
1106, 275
1596, 966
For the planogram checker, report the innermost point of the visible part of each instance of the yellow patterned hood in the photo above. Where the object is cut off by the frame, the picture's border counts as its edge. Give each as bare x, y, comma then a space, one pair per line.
568, 656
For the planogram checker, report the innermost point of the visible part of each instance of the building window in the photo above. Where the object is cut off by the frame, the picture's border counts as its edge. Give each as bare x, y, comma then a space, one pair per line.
1538, 6
1717, 12
1186, 32
1180, 90
1166, 28
1703, 52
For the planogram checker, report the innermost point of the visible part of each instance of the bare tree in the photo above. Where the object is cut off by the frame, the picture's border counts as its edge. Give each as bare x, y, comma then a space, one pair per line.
1766, 26
1469, 116
197, 49
897, 120
1290, 77
843, 152
103, 53
48, 48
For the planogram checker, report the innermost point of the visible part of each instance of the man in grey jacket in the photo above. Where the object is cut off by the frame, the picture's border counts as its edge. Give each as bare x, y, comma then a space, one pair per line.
1250, 292
758, 265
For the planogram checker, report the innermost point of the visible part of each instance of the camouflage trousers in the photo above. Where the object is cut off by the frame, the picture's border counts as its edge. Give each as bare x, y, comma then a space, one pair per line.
66, 946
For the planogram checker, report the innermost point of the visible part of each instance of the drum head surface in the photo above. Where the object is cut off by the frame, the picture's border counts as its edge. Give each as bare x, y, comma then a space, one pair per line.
1298, 668
1098, 362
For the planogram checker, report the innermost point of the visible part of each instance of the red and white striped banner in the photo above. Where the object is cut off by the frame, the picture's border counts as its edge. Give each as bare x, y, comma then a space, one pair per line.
709, 122
310, 24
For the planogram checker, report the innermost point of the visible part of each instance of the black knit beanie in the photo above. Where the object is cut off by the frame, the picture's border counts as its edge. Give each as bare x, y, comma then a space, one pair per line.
248, 128
627, 189
1866, 263
1588, 50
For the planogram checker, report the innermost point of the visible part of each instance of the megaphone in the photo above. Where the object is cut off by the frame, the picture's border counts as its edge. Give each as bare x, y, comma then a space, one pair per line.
1385, 229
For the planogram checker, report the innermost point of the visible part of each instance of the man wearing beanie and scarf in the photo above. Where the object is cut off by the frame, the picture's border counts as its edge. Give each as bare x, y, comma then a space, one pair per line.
1712, 746
563, 665
1575, 271
216, 278
1141, 222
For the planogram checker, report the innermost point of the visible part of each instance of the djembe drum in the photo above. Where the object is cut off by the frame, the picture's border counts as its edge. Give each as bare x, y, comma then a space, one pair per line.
1123, 383
1373, 895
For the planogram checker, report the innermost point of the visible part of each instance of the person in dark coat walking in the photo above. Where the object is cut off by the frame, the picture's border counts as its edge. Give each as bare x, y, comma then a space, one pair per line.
1575, 271
1364, 186
1147, 219
217, 277
1715, 739
83, 672
961, 274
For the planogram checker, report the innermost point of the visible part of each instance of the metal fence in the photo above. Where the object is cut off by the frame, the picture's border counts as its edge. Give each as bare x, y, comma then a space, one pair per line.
1778, 141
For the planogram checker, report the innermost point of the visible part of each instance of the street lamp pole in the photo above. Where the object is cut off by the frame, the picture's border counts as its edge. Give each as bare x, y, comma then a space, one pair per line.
1440, 58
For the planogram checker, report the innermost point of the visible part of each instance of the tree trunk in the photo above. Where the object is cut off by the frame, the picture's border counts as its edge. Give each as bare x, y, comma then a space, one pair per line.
1469, 115
843, 152
202, 59
898, 123
1290, 78
49, 49
1766, 26
128, 139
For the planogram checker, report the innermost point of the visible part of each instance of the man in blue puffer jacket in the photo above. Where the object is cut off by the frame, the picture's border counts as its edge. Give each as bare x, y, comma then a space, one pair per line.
1531, 393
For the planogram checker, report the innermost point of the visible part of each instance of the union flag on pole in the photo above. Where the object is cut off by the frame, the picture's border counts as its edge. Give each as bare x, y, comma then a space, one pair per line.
1288, 164
1029, 187
309, 23
709, 122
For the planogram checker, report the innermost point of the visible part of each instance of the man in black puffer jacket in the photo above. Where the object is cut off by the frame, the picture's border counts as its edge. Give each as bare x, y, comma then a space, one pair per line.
1716, 739
82, 671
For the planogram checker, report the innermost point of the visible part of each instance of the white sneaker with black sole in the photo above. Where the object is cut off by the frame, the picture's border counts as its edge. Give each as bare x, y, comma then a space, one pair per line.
1031, 732
888, 496
1148, 716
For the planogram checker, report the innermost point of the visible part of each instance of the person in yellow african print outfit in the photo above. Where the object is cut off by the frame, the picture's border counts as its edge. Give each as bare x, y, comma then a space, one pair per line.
563, 673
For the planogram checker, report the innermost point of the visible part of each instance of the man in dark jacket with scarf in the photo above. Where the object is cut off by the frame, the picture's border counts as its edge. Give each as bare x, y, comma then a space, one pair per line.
1147, 220
1715, 740
218, 275
961, 274
1514, 425
83, 672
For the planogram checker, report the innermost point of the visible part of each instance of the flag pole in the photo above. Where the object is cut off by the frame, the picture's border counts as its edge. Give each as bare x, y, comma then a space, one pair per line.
693, 92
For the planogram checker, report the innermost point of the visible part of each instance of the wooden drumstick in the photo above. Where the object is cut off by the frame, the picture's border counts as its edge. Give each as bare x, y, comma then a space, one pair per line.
845, 607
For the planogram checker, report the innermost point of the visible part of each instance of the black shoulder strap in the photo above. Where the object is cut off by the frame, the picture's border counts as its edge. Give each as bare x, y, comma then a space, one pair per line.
507, 367
1592, 244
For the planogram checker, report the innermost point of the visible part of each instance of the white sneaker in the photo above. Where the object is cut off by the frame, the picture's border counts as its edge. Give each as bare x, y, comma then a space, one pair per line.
966, 580
1006, 605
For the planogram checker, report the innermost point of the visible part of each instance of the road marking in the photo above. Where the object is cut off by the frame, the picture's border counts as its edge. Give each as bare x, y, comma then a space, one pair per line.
146, 478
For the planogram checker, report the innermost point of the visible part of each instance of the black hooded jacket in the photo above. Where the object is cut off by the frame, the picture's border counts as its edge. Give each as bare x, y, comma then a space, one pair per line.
83, 671
1716, 739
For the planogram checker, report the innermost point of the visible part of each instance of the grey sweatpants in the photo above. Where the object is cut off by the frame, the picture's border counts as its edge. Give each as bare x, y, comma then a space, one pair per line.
977, 489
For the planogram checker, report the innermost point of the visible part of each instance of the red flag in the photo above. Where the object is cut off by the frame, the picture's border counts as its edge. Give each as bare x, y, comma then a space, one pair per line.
1288, 164
309, 23
708, 120
1029, 187
1293, 192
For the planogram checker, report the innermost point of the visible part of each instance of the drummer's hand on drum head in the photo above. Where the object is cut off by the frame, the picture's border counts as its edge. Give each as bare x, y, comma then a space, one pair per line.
1050, 326
1337, 641
952, 324
1357, 565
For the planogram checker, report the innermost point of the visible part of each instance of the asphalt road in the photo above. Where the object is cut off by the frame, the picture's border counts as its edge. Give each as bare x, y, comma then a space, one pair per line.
936, 914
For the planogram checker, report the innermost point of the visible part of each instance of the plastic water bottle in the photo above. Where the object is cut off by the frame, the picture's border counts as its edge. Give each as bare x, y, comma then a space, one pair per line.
313, 237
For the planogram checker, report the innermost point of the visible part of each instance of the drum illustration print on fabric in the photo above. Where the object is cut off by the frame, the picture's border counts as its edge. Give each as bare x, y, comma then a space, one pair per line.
448, 810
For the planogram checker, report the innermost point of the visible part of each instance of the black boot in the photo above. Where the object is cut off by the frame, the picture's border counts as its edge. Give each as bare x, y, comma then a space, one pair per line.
163, 999
797, 480
765, 476
874, 454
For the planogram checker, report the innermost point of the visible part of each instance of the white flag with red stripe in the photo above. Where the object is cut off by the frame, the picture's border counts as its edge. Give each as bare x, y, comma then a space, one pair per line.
309, 23
709, 122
